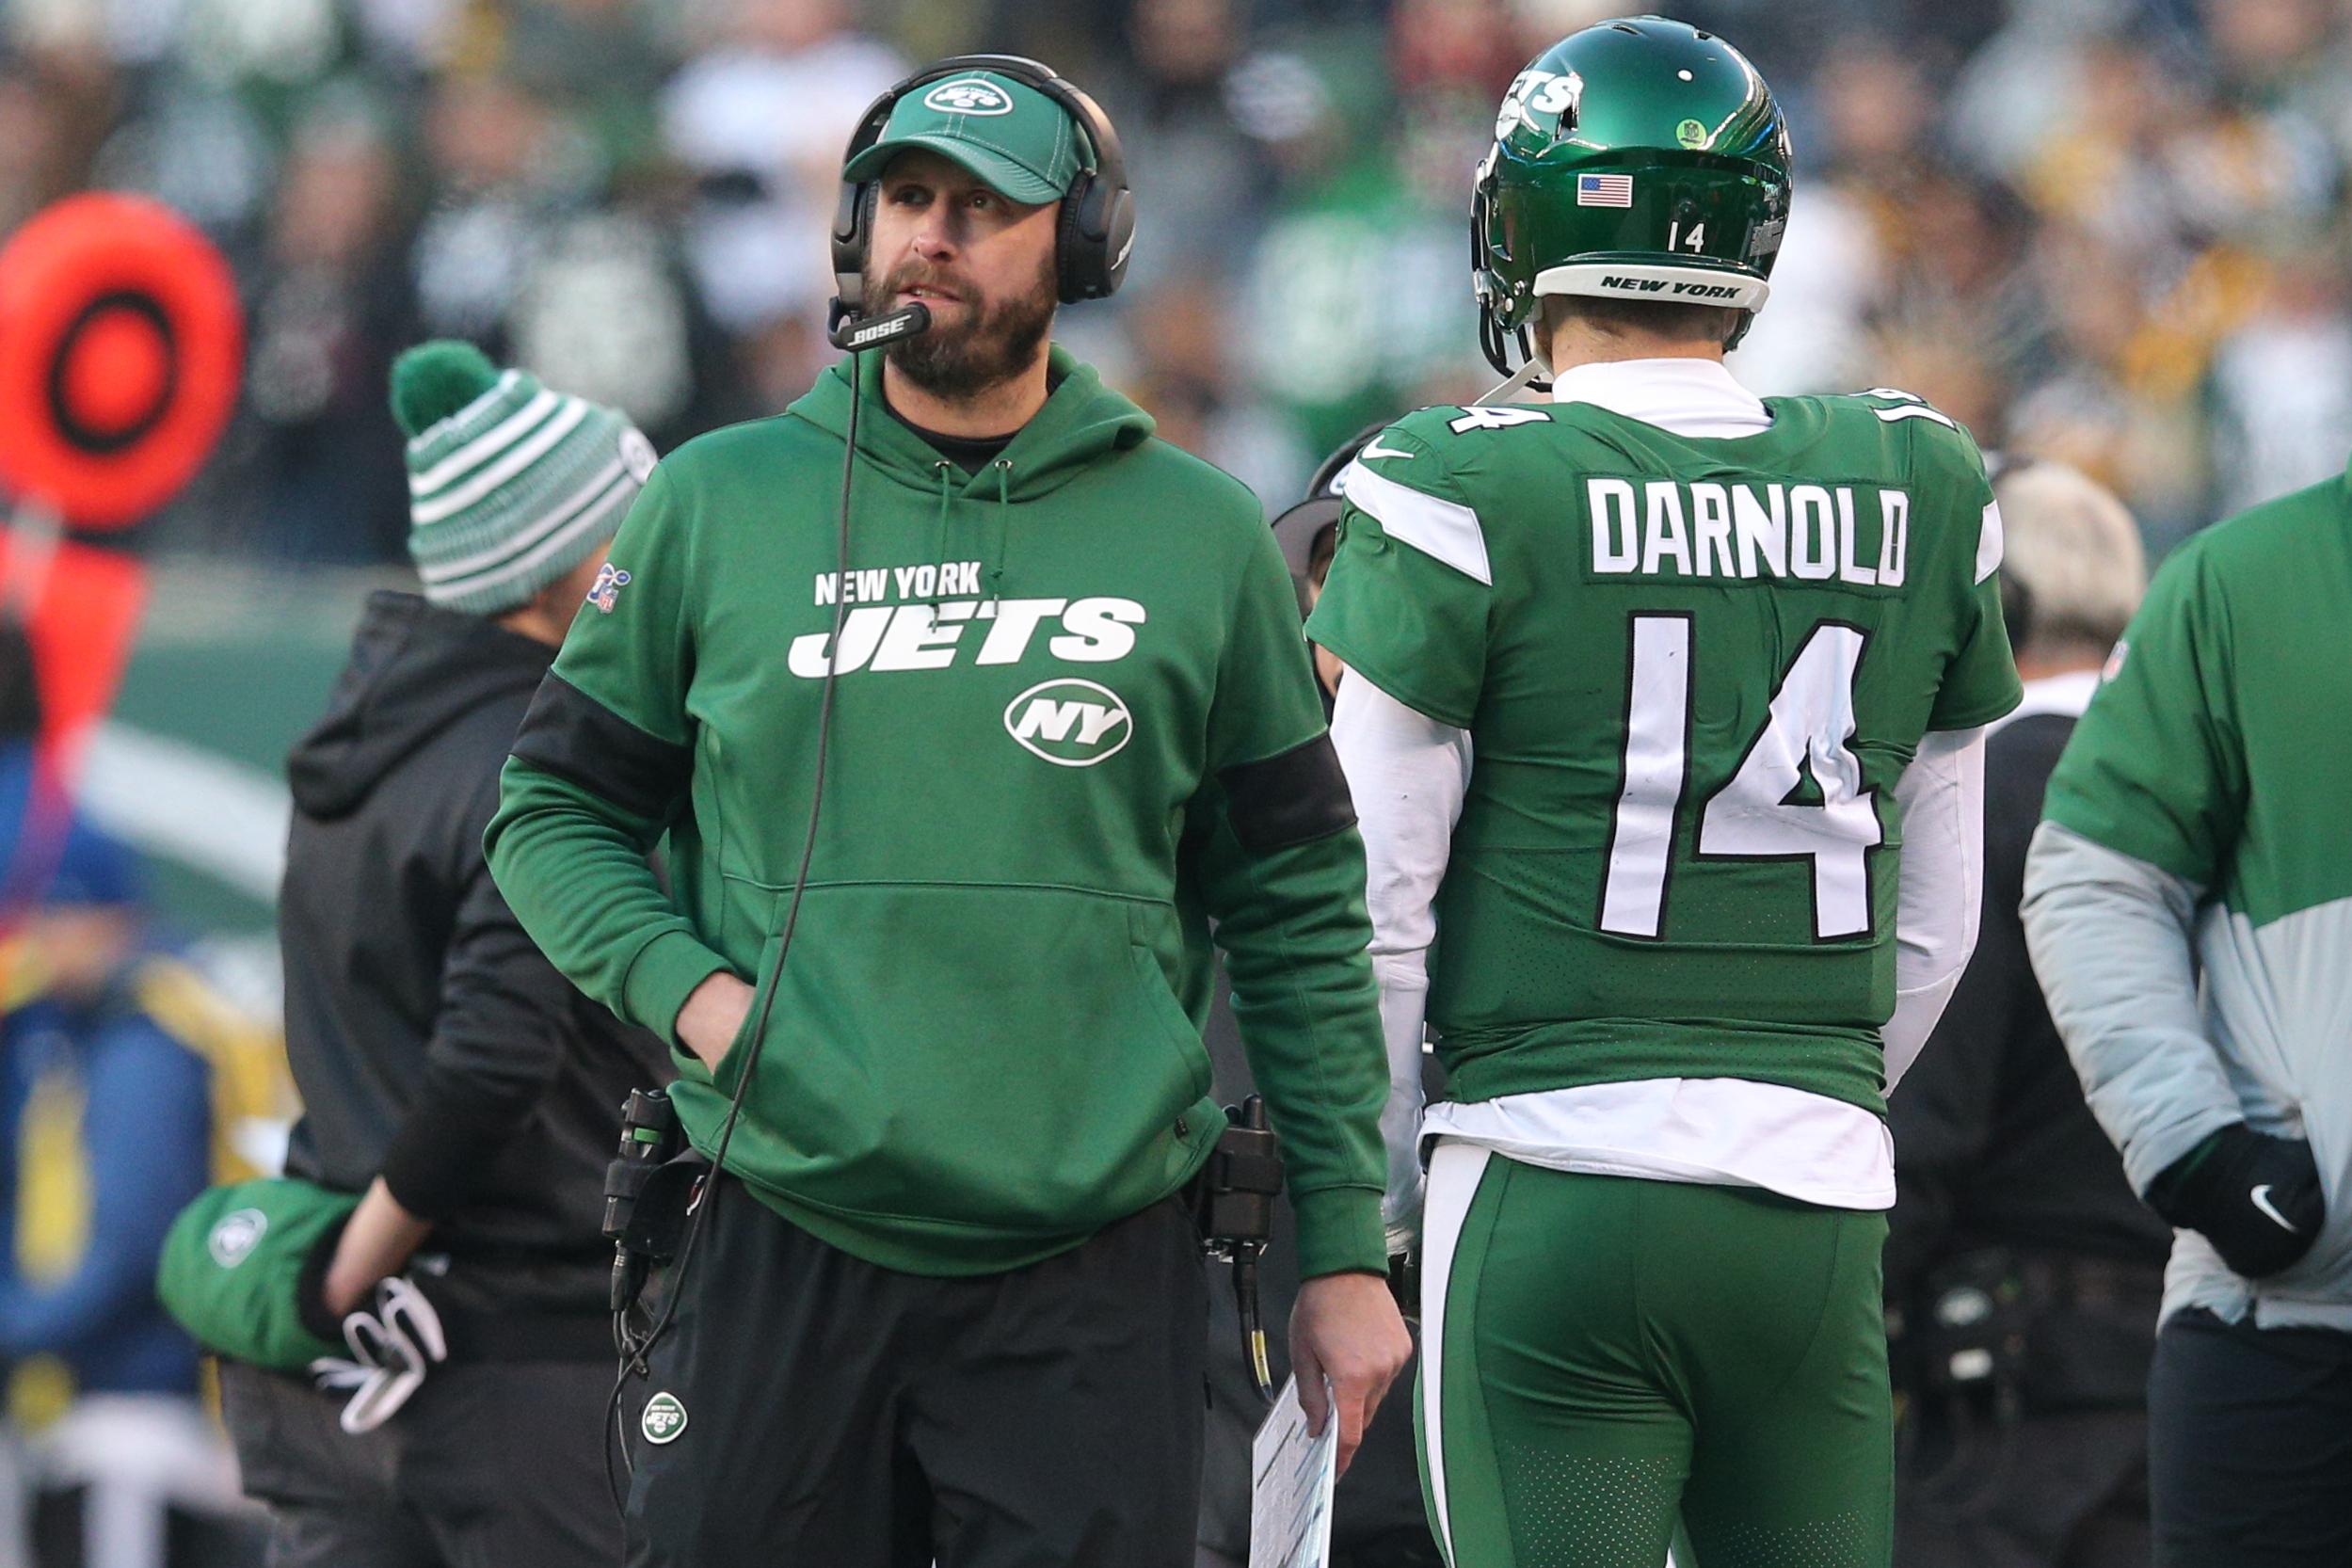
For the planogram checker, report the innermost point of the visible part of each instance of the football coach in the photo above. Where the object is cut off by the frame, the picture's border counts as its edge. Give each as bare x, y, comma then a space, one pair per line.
970, 709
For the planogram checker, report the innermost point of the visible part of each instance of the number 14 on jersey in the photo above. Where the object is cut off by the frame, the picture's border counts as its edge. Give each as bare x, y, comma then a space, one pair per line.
1769, 811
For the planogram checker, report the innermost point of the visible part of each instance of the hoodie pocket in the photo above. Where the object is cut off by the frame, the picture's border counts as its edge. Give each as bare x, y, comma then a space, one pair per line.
1009, 1060
1176, 1025
729, 1071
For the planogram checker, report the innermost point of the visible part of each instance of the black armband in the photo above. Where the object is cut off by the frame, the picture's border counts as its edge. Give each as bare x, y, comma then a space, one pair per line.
1289, 798
571, 735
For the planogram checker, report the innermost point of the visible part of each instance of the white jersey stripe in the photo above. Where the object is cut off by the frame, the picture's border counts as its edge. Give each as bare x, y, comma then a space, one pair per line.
1455, 1171
1444, 529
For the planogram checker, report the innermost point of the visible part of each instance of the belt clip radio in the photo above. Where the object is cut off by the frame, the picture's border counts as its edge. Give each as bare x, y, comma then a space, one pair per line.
1234, 1208
649, 1191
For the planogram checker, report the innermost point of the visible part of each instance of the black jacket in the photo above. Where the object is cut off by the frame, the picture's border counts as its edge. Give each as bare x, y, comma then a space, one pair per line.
432, 1043
1994, 1145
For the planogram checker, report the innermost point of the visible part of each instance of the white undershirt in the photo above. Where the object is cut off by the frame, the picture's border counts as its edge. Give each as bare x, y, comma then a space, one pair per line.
1409, 774
2068, 693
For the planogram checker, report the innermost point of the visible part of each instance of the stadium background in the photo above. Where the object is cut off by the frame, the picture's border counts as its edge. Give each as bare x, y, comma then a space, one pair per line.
2111, 231
2106, 230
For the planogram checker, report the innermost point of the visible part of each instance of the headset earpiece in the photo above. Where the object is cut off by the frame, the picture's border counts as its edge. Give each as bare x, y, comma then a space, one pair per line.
1098, 229
851, 223
1099, 211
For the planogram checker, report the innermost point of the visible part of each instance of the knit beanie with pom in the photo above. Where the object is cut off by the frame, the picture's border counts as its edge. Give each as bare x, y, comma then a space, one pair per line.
510, 485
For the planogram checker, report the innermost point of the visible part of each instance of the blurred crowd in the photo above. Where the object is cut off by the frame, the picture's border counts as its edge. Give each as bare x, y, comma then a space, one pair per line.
2110, 232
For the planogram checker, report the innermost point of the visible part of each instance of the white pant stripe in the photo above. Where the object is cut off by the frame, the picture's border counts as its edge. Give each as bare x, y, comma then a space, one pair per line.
1454, 1171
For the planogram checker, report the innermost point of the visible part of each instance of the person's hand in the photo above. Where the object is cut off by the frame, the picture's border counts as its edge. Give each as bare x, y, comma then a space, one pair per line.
1345, 1328
376, 1242
712, 1016
2256, 1197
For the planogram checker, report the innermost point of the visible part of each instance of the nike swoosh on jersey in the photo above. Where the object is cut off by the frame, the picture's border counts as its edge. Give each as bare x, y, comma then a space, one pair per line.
1373, 449
2260, 1198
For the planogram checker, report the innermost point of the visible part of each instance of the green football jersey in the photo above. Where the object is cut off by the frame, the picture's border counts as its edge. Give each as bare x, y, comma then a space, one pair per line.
1692, 670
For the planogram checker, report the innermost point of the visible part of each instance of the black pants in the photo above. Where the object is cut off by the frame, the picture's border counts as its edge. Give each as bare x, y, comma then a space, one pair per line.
830, 1414
2250, 1445
486, 1466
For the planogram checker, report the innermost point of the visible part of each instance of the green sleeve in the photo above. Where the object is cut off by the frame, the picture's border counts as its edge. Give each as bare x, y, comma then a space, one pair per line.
1281, 868
1980, 683
599, 771
2155, 770
1407, 604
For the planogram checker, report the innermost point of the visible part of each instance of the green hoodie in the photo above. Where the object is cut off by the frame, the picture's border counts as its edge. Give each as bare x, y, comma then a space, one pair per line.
1074, 726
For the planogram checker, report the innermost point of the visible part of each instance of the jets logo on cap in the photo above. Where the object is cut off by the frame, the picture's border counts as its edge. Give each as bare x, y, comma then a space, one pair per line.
664, 1419
967, 95
234, 1238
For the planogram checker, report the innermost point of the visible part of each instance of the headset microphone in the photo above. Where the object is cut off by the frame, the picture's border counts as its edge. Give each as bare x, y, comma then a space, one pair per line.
853, 332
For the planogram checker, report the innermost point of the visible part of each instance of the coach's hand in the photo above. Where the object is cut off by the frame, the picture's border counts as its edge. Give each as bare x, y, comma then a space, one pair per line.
1345, 1327
712, 1016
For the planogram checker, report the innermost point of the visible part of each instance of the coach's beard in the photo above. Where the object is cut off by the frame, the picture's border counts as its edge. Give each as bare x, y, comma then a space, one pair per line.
993, 343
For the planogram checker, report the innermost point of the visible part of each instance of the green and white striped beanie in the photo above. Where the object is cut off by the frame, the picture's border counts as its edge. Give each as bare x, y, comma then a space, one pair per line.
510, 484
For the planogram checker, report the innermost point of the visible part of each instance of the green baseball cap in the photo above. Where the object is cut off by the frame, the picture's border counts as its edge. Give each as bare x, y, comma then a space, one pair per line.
1014, 137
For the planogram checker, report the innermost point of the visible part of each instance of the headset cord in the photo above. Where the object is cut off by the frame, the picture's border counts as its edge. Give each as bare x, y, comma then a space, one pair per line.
634, 1349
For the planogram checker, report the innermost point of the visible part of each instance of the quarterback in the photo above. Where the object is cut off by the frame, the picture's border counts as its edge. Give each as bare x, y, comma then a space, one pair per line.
1664, 724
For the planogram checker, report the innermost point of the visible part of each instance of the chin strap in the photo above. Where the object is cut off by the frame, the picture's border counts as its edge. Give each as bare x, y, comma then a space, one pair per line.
1536, 376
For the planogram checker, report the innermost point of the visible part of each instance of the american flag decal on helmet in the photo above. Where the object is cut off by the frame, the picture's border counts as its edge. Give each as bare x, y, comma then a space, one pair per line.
1603, 190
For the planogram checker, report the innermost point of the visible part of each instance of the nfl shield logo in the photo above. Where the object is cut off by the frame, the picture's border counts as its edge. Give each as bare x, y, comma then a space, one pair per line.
610, 580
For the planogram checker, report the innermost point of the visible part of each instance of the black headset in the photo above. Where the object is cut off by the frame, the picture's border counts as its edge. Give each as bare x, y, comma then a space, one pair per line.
1098, 226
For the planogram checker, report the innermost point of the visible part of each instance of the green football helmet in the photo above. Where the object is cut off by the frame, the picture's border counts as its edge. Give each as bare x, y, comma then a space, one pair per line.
1637, 159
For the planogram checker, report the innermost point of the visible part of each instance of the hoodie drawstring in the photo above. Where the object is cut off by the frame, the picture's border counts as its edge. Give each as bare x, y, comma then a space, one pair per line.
1000, 526
1003, 525
939, 545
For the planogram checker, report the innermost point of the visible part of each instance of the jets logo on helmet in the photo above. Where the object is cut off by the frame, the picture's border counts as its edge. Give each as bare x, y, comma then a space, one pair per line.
967, 95
1537, 96
1638, 159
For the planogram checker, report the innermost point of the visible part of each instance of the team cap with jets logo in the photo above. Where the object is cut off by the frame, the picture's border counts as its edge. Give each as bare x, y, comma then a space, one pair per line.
1011, 135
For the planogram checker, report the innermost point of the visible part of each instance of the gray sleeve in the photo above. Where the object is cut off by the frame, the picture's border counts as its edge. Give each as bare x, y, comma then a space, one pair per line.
2110, 937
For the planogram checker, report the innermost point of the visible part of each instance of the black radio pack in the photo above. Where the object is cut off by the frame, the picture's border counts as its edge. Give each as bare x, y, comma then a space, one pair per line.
1233, 1206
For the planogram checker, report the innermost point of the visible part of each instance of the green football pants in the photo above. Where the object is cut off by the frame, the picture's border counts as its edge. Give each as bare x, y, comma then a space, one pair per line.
1601, 1354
